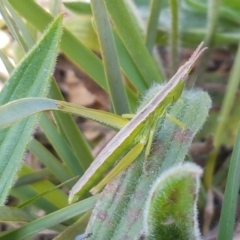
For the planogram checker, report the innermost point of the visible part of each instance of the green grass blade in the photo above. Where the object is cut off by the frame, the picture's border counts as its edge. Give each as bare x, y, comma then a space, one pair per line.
51, 219
128, 66
228, 213
110, 58
174, 34
27, 80
69, 129
16, 111
49, 160
37, 176
79, 7
55, 200
152, 24
23, 193
75, 50
78, 227
14, 214
31, 200
61, 146
133, 40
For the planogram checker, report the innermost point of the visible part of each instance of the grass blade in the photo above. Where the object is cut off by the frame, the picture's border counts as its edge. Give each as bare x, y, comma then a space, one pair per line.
49, 160
228, 213
152, 25
174, 34
16, 111
61, 146
110, 58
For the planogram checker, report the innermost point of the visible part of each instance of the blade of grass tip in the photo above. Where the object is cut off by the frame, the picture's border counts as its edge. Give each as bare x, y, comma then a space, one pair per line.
228, 213
50, 161
21, 26
13, 27
43, 186
226, 107
69, 129
23, 193
52, 219
60, 145
152, 24
133, 40
74, 49
110, 58
31, 200
174, 38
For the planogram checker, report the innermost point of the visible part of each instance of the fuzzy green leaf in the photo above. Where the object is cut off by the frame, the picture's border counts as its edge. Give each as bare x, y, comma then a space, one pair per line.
171, 207
30, 79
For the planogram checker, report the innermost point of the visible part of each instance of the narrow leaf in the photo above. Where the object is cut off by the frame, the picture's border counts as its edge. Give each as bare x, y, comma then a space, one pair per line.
49, 160
13, 214
228, 214
110, 58
30, 78
16, 111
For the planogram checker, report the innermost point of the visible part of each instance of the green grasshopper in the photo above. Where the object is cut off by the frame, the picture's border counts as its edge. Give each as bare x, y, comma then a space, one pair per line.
134, 136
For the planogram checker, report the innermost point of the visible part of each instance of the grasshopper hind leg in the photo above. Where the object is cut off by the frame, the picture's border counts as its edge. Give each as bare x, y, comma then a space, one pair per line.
123, 164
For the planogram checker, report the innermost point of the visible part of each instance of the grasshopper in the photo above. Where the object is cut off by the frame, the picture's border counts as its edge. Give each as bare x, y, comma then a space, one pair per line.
135, 135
